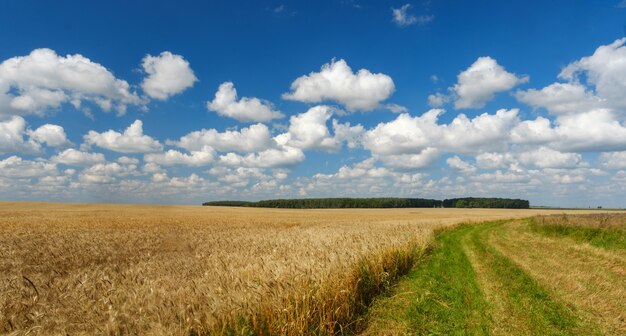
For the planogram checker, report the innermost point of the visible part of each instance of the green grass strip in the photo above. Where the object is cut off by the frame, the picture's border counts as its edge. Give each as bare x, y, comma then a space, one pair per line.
608, 238
449, 300
526, 297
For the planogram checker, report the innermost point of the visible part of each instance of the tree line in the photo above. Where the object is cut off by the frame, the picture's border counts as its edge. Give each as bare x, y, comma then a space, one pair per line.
386, 202
481, 202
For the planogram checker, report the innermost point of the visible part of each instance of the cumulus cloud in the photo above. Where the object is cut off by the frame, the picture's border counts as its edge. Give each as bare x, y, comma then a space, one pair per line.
16, 167
14, 130
613, 160
560, 98
361, 178
605, 70
533, 132
363, 91
494, 160
43, 80
105, 173
308, 130
253, 138
438, 99
363, 169
351, 135
168, 75
591, 83
405, 134
481, 81
131, 141
51, 135
422, 159
411, 135
589, 106
464, 135
245, 109
75, 157
457, 163
283, 156
549, 158
12, 137
174, 157
596, 130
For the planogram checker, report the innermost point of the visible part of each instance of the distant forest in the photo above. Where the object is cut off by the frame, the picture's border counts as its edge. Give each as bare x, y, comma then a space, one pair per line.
390, 202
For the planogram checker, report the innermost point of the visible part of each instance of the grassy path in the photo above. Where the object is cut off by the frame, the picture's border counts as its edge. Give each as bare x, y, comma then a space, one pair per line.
505, 278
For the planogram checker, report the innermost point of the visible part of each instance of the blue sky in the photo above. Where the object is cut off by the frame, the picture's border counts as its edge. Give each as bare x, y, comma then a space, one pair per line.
180, 102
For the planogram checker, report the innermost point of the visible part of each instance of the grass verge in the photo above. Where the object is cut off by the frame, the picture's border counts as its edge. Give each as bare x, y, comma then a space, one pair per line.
595, 233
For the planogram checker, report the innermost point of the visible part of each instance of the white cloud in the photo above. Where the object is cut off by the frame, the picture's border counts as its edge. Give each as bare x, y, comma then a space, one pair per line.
43, 80
411, 135
174, 157
613, 160
560, 98
363, 91
308, 130
592, 83
605, 70
168, 75
395, 108
151, 168
131, 141
423, 159
13, 131
190, 181
12, 137
245, 109
283, 156
402, 17
481, 81
16, 167
483, 132
457, 163
502, 177
105, 173
256, 179
361, 170
51, 135
438, 99
543, 157
125, 160
253, 138
75, 157
596, 130
538, 131
405, 134
352, 135
359, 179
491, 160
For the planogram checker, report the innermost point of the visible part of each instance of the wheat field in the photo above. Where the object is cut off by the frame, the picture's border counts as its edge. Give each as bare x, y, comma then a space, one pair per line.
178, 270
